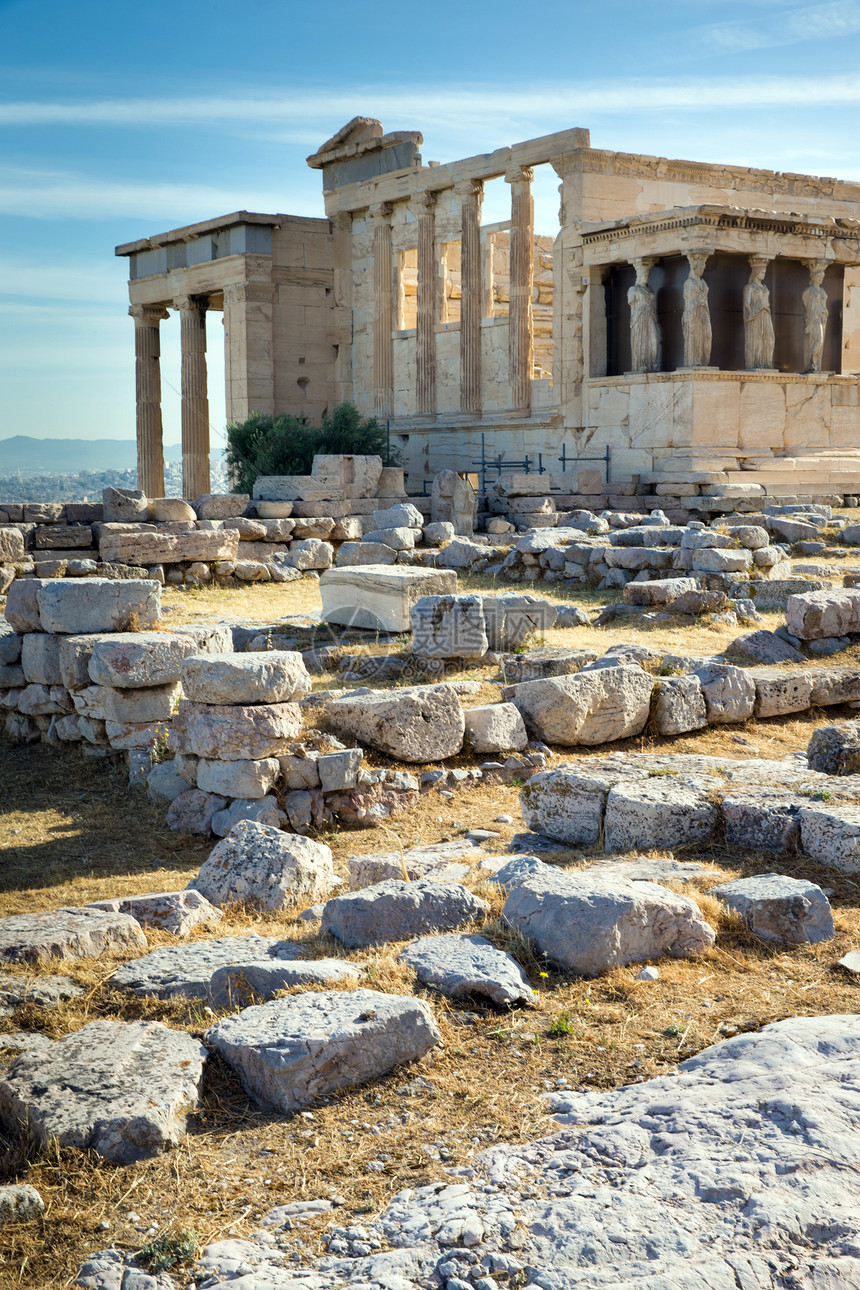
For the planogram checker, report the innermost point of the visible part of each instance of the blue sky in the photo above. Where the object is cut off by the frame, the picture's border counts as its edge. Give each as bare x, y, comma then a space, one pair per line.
119, 120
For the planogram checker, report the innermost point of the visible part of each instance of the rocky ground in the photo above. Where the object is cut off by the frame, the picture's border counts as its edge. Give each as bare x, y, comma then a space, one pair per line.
426, 1175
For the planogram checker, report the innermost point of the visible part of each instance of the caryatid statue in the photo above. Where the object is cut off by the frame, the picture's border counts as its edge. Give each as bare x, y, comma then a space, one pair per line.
696, 322
758, 322
815, 317
644, 336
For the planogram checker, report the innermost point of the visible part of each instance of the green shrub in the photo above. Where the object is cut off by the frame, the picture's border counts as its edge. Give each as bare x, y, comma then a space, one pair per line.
286, 445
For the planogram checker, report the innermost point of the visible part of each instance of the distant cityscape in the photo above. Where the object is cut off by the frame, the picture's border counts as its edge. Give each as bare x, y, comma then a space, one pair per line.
100, 463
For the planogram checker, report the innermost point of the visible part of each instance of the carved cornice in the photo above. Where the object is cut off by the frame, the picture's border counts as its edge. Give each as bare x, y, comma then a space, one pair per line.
724, 218
148, 315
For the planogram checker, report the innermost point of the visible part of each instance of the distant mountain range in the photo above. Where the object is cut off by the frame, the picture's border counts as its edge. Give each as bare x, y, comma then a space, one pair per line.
69, 456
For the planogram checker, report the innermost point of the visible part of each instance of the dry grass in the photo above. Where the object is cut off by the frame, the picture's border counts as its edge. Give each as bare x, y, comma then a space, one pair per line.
70, 832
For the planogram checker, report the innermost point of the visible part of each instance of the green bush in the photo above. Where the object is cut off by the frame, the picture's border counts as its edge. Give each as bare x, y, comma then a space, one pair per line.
285, 445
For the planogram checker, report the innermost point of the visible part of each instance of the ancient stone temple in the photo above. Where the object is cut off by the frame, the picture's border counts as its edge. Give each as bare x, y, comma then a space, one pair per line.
690, 318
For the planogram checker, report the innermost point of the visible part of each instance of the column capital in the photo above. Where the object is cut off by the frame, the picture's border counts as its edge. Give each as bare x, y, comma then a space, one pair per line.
148, 315
342, 221
189, 304
520, 175
427, 200
759, 261
470, 190
646, 261
698, 255
381, 213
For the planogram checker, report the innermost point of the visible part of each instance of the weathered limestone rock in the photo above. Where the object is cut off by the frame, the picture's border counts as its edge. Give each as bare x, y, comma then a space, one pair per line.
269, 868
243, 984
147, 548
133, 659
310, 553
239, 778
70, 933
11, 544
232, 732
592, 922
220, 506
817, 614
121, 1089
40, 659
588, 708
164, 783
465, 966
729, 693
397, 911
567, 804
453, 501
275, 676
20, 1203
193, 811
713, 560
22, 604
762, 819
80, 605
124, 505
835, 685
835, 750
350, 554
448, 627
156, 703
339, 770
378, 597
495, 728
660, 591
830, 835
418, 723
186, 970
512, 618
290, 1052
786, 910
399, 539
172, 911
680, 705
46, 991
765, 647
778, 693
660, 813
460, 554
439, 861
262, 810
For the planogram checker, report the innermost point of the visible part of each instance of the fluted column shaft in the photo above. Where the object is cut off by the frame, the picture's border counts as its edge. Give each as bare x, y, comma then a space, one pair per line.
195, 398
471, 195
147, 382
383, 325
428, 290
520, 339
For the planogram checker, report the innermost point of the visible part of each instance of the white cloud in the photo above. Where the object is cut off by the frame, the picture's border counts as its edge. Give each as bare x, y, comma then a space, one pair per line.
789, 26
306, 117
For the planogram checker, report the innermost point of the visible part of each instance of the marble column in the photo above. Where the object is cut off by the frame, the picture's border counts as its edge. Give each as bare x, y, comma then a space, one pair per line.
383, 319
195, 398
147, 383
427, 296
471, 194
520, 341
343, 283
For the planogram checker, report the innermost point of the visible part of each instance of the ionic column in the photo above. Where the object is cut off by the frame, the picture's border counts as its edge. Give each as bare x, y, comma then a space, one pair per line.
343, 278
383, 325
471, 194
428, 290
520, 341
195, 398
147, 388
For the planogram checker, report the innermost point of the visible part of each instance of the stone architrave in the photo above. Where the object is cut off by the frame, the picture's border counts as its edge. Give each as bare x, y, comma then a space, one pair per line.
815, 317
758, 322
453, 501
644, 335
696, 322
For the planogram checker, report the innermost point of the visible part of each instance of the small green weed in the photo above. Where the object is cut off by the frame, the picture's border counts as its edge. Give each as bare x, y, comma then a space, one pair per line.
561, 1026
661, 773
167, 1250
